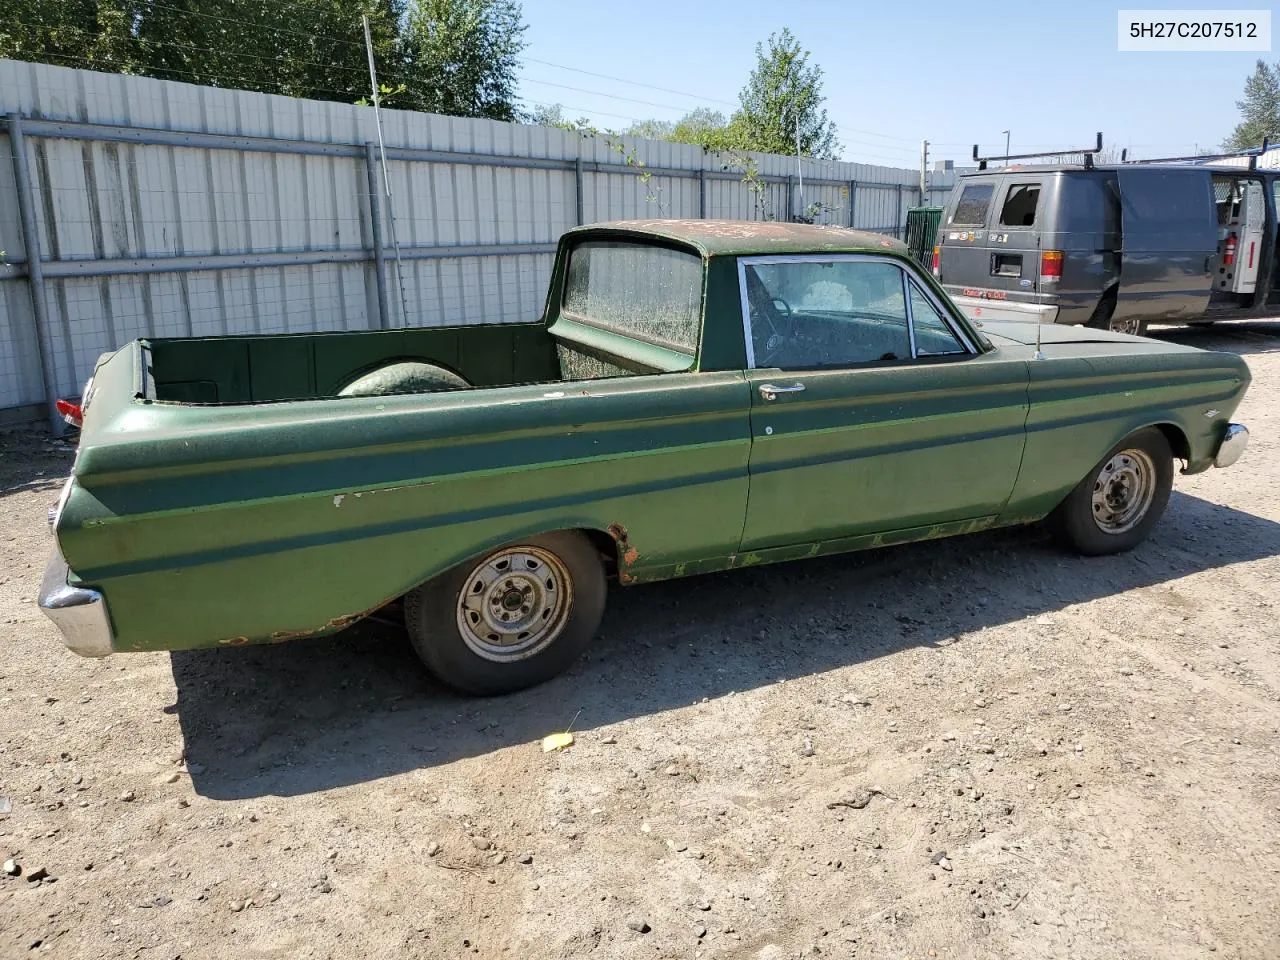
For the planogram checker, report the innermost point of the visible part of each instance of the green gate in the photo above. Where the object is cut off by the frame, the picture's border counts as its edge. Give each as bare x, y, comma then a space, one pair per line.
922, 228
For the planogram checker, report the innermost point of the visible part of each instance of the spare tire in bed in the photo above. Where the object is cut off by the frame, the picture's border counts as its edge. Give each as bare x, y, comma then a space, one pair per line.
404, 376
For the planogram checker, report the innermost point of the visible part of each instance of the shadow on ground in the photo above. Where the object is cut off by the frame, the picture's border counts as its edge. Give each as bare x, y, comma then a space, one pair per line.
316, 714
1244, 337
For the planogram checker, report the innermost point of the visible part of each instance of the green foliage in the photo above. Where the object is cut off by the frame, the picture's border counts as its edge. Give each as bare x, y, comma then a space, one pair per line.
1259, 110
448, 56
462, 56
782, 102
553, 116
783, 96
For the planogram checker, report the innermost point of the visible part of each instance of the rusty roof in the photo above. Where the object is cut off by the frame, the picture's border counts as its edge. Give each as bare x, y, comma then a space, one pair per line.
750, 237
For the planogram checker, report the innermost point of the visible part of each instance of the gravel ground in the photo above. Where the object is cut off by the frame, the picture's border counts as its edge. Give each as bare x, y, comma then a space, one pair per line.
976, 748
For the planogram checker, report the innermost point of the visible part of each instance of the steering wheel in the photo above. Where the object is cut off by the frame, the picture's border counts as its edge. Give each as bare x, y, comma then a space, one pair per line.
781, 329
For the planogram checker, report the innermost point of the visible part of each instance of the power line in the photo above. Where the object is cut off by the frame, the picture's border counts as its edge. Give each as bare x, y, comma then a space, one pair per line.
634, 83
607, 96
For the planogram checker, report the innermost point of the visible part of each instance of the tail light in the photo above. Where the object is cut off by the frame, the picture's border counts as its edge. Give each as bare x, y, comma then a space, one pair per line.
1051, 265
71, 412
937, 258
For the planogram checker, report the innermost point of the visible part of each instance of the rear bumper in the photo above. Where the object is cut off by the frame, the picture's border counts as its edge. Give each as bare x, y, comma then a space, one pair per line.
979, 308
80, 614
1234, 440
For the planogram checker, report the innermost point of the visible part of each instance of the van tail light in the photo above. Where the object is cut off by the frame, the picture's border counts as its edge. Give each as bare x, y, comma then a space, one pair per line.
937, 258
1051, 265
71, 412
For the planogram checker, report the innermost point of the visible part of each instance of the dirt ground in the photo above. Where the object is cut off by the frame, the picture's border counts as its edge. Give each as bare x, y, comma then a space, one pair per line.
979, 748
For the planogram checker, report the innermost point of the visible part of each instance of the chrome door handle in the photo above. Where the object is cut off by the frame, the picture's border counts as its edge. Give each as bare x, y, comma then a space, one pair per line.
770, 391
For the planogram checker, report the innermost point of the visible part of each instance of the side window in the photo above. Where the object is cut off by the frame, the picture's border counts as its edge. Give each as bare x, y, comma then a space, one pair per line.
1019, 209
640, 290
933, 336
971, 210
809, 315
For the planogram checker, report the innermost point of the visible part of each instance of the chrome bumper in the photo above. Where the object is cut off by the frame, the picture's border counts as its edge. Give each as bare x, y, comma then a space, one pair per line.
80, 614
979, 308
1234, 440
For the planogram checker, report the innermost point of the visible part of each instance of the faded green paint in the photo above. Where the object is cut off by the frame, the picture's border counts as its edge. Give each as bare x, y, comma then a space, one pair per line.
239, 520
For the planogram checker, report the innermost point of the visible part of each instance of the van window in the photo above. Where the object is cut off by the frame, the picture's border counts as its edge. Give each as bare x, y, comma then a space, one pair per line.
971, 211
644, 291
1089, 204
1020, 203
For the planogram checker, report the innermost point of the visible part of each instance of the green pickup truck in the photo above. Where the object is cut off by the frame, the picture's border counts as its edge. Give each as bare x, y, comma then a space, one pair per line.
698, 396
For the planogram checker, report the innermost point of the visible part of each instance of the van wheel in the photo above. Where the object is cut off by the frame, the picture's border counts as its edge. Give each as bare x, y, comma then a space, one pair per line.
1104, 318
512, 619
1114, 508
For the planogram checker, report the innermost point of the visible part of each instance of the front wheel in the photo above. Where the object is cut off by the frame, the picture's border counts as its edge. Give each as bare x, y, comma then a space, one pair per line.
512, 619
1114, 508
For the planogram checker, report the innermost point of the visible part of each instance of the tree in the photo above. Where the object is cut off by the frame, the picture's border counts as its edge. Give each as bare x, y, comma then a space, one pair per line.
552, 115
462, 55
72, 33
299, 48
782, 103
1259, 110
651, 130
708, 129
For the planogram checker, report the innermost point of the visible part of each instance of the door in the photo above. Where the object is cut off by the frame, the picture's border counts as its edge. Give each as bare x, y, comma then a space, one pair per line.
1169, 240
963, 257
870, 409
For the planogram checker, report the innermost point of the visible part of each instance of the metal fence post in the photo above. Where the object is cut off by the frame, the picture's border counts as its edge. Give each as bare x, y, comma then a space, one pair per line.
375, 223
577, 174
702, 193
853, 202
898, 216
35, 270
791, 198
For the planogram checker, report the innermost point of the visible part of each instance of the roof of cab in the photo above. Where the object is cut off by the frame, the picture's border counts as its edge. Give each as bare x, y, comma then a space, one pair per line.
716, 238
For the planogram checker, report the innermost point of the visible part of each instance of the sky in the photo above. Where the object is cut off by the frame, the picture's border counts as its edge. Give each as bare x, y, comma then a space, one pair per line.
894, 73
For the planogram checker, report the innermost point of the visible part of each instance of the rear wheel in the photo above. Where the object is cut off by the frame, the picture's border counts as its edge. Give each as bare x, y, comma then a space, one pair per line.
512, 619
1116, 505
1104, 318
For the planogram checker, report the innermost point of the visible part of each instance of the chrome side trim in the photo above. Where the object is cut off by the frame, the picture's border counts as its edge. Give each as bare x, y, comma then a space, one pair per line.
1234, 440
79, 613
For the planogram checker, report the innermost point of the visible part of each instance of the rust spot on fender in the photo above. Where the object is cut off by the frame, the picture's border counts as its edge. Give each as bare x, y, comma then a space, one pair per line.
626, 552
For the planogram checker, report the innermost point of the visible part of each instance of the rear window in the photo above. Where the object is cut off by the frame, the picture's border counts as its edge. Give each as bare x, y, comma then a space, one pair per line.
1019, 209
971, 211
644, 291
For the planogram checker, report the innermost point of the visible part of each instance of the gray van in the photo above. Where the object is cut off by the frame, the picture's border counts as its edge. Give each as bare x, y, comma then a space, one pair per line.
1114, 246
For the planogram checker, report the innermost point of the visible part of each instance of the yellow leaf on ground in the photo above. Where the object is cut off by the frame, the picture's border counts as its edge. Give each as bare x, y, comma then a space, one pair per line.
557, 741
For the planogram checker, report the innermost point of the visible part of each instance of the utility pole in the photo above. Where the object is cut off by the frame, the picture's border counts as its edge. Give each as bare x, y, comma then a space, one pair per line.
924, 167
1006, 146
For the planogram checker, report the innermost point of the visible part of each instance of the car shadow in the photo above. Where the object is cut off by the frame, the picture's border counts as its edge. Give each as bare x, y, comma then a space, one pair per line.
1244, 337
316, 714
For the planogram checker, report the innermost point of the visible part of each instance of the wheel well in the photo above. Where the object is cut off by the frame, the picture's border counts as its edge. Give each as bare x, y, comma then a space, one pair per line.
607, 546
1178, 442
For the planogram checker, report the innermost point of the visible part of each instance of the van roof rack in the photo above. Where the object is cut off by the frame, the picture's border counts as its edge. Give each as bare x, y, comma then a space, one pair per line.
1087, 151
1253, 153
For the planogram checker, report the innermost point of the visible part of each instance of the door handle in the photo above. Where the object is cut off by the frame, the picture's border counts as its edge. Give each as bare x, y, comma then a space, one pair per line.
770, 391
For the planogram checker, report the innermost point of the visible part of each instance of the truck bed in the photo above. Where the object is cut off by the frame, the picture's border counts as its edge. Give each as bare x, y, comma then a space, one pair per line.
312, 366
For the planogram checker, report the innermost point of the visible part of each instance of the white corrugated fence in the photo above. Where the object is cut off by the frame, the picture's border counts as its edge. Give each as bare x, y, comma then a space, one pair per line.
166, 209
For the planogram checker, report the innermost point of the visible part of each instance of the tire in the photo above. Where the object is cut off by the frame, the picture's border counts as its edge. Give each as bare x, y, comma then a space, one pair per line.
1104, 318
404, 376
1098, 517
455, 624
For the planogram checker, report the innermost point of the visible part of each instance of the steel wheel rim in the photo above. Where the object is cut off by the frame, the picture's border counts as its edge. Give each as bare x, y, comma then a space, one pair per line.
514, 603
1127, 325
1123, 491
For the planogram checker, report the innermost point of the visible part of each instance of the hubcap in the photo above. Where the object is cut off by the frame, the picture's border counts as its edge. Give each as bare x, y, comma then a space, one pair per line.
1123, 490
514, 603
1127, 325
